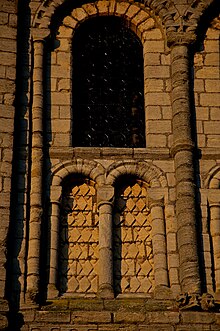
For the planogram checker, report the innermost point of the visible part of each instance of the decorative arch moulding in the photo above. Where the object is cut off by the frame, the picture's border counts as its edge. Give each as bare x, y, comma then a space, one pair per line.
165, 9
107, 177
212, 180
137, 17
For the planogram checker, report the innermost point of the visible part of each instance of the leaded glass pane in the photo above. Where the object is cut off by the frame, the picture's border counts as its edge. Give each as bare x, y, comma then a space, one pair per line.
108, 100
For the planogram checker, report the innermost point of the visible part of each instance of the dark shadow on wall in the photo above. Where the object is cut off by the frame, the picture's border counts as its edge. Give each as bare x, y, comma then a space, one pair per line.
20, 188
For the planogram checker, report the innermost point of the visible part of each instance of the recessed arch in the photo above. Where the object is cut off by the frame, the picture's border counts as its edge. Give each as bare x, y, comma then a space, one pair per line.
86, 168
143, 170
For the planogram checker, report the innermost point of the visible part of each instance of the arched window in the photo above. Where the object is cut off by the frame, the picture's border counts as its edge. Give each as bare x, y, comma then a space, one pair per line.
108, 93
78, 260
132, 238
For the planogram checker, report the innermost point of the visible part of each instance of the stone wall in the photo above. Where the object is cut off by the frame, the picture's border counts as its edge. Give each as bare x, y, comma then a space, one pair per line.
53, 280
8, 32
117, 315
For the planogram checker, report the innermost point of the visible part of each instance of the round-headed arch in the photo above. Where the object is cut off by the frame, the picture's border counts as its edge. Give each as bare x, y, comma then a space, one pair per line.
138, 19
142, 170
165, 10
86, 168
212, 180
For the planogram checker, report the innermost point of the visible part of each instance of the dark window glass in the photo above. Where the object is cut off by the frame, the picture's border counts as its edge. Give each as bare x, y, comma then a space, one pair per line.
108, 100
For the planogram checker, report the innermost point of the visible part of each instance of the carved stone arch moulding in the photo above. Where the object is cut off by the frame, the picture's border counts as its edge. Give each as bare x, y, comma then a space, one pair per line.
86, 168
140, 19
143, 170
195, 12
165, 9
212, 180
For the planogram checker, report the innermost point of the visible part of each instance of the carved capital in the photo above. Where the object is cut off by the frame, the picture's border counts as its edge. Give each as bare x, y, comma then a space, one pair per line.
180, 38
105, 195
39, 34
156, 195
155, 202
214, 198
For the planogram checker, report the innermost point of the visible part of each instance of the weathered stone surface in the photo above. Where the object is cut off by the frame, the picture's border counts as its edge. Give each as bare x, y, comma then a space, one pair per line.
36, 138
51, 316
91, 317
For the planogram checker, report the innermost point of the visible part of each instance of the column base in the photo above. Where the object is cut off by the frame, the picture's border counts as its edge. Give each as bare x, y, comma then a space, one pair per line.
163, 292
106, 292
32, 298
217, 297
3, 322
52, 292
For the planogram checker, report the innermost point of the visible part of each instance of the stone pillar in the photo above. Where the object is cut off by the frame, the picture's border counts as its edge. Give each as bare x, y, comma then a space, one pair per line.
36, 210
105, 198
182, 151
159, 243
215, 235
54, 250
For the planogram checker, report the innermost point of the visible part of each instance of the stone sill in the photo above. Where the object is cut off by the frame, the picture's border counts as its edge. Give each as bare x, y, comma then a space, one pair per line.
108, 153
95, 304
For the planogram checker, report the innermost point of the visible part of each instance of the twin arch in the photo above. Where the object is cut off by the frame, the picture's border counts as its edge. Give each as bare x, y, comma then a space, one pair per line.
151, 269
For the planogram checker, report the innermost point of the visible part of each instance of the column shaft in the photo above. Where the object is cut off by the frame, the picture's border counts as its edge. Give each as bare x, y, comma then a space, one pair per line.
159, 245
33, 262
215, 234
54, 250
105, 251
182, 150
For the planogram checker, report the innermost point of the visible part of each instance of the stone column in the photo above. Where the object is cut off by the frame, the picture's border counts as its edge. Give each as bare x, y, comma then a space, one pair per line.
54, 250
36, 209
159, 243
182, 151
215, 235
105, 198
